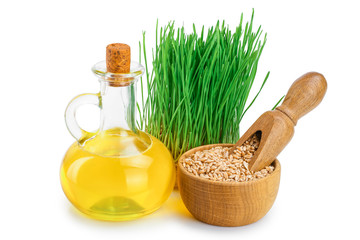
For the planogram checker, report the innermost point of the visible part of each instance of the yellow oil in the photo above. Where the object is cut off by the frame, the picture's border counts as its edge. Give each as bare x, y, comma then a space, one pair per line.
118, 175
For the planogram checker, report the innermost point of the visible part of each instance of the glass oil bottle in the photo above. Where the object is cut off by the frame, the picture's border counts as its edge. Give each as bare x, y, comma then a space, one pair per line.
118, 172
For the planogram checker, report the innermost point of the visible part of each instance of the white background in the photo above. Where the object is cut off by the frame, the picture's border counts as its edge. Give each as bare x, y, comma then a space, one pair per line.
47, 49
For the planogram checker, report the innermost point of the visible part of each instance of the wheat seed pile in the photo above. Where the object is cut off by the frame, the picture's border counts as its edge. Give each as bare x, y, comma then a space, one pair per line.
217, 164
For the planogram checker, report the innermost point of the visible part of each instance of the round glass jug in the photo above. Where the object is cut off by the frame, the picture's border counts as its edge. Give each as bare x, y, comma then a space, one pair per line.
118, 172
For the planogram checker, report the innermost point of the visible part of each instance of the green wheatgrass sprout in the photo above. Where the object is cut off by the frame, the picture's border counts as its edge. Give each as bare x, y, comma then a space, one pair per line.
199, 84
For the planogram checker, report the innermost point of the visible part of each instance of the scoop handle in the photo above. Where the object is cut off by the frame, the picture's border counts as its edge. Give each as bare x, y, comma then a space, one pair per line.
304, 95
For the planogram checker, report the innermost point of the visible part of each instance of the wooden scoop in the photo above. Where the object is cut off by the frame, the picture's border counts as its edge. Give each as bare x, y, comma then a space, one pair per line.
276, 128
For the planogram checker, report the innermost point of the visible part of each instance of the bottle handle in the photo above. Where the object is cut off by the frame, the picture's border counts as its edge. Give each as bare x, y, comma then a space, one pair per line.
70, 115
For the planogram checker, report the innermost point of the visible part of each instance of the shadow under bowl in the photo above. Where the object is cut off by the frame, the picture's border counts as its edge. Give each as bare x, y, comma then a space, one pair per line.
227, 203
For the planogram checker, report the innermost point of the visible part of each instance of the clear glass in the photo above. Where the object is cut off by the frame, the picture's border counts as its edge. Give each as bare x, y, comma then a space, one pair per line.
118, 172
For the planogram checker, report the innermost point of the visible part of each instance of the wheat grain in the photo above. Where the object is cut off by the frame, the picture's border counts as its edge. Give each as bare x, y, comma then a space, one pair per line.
217, 164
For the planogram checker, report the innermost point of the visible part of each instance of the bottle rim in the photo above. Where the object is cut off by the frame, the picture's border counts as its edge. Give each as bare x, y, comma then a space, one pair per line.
136, 71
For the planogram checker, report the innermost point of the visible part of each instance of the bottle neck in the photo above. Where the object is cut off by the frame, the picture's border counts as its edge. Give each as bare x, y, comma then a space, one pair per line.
118, 107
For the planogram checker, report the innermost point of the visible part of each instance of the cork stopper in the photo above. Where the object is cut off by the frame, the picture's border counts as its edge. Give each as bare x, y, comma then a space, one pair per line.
118, 60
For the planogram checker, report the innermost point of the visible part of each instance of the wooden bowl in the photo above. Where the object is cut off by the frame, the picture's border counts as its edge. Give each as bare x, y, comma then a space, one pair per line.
227, 203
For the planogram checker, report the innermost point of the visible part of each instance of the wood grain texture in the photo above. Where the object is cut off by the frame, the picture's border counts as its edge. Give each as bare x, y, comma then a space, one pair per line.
276, 132
304, 95
277, 127
227, 203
